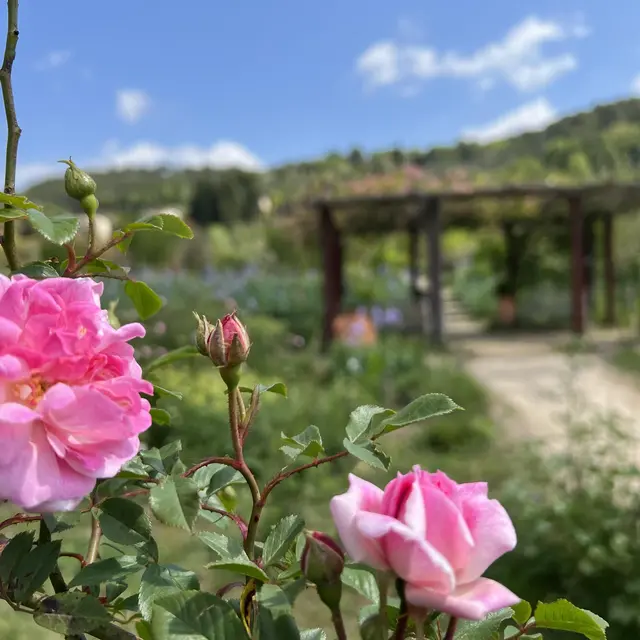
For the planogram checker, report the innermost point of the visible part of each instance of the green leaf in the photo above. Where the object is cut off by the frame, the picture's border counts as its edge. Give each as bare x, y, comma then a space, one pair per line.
175, 502
275, 618
108, 570
232, 556
61, 521
166, 222
160, 416
294, 588
181, 353
280, 539
124, 242
215, 477
522, 612
14, 553
483, 629
162, 581
362, 581
34, 570
57, 229
277, 387
360, 421
561, 615
100, 265
368, 452
146, 301
71, 613
126, 522
18, 202
144, 630
38, 270
6, 215
308, 443
423, 408
195, 615
161, 392
153, 461
313, 634
170, 455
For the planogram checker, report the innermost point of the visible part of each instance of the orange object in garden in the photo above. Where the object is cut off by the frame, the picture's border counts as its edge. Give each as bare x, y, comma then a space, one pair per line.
355, 329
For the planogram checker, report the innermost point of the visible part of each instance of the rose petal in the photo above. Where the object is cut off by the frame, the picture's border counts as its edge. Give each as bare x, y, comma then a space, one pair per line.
493, 534
361, 496
410, 556
15, 431
472, 601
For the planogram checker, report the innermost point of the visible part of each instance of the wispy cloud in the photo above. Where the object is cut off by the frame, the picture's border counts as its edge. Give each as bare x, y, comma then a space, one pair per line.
224, 154
53, 60
532, 116
132, 104
519, 59
635, 85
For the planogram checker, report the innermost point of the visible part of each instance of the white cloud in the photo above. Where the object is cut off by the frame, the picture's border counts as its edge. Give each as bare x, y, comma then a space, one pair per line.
149, 155
53, 60
532, 116
517, 59
635, 85
132, 104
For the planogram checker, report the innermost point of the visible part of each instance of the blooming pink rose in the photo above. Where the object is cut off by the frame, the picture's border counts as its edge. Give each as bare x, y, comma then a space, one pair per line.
436, 535
70, 405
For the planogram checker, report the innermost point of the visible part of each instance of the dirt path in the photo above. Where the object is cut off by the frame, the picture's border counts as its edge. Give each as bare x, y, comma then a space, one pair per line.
536, 386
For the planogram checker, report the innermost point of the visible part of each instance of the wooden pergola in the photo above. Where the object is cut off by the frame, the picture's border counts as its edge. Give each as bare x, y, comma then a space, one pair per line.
425, 214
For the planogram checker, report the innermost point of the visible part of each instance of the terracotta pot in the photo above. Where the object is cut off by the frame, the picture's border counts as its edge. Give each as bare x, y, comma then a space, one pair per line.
507, 310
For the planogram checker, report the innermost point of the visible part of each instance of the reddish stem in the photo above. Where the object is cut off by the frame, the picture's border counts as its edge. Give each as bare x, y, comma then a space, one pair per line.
19, 518
240, 523
226, 460
83, 262
79, 557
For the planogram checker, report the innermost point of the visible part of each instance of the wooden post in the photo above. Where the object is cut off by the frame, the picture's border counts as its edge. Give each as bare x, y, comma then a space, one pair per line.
577, 265
433, 222
332, 265
609, 270
588, 246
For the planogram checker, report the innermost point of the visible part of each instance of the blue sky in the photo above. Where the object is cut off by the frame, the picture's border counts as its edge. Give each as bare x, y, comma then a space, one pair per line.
261, 82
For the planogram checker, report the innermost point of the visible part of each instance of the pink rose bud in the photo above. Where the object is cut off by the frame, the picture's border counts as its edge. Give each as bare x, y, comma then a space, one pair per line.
322, 563
438, 536
229, 342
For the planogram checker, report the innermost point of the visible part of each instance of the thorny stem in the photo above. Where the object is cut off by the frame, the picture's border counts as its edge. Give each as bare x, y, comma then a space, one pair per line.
338, 624
253, 412
19, 518
13, 130
403, 615
96, 534
239, 522
92, 255
256, 509
92, 234
451, 629
71, 258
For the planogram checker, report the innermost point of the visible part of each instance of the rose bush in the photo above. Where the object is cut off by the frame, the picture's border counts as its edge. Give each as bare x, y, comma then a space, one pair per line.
70, 404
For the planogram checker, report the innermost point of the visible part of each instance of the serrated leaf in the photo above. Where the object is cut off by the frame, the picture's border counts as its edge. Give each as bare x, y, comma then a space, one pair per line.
195, 615
18, 201
6, 215
124, 521
175, 502
162, 392
108, 570
57, 229
362, 581
280, 539
61, 521
182, 353
232, 556
69, 614
368, 452
308, 443
170, 455
215, 477
161, 581
124, 241
275, 618
166, 222
422, 408
160, 416
278, 388
144, 630
14, 553
145, 300
483, 629
358, 427
34, 569
561, 615
522, 612
38, 271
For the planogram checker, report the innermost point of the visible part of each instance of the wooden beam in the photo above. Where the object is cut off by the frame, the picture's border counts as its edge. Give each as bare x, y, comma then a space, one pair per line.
609, 270
332, 257
577, 265
433, 223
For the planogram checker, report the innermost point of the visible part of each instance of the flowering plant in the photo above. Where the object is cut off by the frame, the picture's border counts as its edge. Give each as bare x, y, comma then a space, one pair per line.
73, 402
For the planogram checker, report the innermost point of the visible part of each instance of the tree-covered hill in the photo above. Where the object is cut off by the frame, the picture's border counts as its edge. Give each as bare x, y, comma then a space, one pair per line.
600, 143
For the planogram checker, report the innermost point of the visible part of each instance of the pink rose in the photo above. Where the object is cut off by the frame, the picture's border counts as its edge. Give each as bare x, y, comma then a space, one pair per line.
436, 535
70, 405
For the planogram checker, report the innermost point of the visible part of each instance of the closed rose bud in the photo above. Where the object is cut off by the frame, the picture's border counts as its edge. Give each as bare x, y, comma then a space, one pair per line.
78, 183
229, 342
322, 563
202, 334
